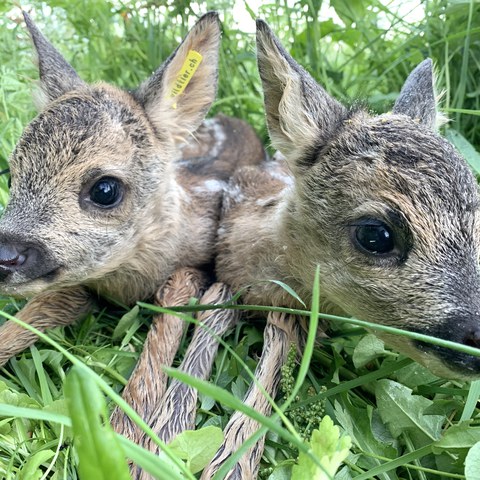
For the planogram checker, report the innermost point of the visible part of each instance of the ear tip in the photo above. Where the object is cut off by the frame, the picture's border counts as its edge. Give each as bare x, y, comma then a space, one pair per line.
28, 20
211, 16
262, 28
425, 66
428, 62
35, 34
261, 24
265, 35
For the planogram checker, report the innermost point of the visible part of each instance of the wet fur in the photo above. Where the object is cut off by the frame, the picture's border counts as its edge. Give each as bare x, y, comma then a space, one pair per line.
283, 218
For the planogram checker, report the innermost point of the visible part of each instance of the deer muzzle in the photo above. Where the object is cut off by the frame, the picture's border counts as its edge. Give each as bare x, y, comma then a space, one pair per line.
22, 261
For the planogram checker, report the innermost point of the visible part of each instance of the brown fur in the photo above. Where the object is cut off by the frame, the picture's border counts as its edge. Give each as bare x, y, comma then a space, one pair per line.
148, 382
282, 219
340, 171
175, 411
280, 333
167, 217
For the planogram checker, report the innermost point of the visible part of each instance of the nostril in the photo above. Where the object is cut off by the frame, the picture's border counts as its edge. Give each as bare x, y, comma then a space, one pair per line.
10, 257
472, 339
14, 262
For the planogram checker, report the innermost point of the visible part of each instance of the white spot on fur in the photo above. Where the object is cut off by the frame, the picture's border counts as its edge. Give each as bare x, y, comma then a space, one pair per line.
235, 193
218, 133
211, 186
281, 176
265, 201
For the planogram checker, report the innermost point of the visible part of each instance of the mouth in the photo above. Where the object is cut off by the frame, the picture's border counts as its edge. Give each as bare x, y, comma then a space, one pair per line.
441, 361
22, 285
463, 364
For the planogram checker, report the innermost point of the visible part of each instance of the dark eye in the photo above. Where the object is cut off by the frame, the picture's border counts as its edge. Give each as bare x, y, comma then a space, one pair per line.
9, 182
375, 237
106, 192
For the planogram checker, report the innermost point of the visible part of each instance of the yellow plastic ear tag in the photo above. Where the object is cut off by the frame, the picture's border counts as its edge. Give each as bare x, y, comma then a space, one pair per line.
186, 73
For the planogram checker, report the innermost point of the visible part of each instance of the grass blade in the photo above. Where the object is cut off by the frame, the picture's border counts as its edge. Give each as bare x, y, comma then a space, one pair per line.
99, 452
108, 391
388, 466
471, 402
33, 414
312, 335
157, 466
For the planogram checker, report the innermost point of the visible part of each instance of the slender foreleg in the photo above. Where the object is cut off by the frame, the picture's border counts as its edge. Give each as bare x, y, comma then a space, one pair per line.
46, 310
176, 412
148, 382
280, 332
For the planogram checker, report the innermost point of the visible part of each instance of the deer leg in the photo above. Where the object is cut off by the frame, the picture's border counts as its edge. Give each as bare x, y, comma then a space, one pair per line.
148, 382
46, 310
280, 332
176, 412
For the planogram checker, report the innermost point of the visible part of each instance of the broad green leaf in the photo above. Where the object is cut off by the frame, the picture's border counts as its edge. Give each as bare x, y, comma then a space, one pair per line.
344, 473
160, 466
349, 11
283, 472
367, 349
31, 469
197, 447
11, 397
100, 455
357, 424
414, 375
330, 449
444, 407
59, 406
465, 148
460, 436
472, 463
401, 410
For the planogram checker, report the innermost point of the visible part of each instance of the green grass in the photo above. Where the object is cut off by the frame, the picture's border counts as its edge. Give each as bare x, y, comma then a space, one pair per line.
403, 421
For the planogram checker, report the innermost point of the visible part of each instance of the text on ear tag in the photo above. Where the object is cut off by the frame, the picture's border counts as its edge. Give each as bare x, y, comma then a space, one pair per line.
186, 73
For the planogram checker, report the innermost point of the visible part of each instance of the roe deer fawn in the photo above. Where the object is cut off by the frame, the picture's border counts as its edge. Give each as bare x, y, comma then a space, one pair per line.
385, 206
102, 201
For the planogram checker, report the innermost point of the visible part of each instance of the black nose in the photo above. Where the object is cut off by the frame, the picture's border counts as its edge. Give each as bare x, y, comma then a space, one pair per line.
463, 328
11, 259
17, 255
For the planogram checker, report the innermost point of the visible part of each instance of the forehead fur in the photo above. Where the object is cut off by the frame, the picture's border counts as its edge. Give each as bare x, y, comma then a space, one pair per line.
394, 150
81, 125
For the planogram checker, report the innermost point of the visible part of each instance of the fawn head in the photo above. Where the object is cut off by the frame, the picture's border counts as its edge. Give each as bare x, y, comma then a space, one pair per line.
97, 162
385, 206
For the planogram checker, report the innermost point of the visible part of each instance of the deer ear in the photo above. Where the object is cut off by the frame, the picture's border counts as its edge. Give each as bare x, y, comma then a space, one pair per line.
57, 76
417, 97
179, 94
301, 115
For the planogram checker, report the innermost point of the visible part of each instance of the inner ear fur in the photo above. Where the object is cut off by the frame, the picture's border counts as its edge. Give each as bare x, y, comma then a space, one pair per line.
300, 114
180, 115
